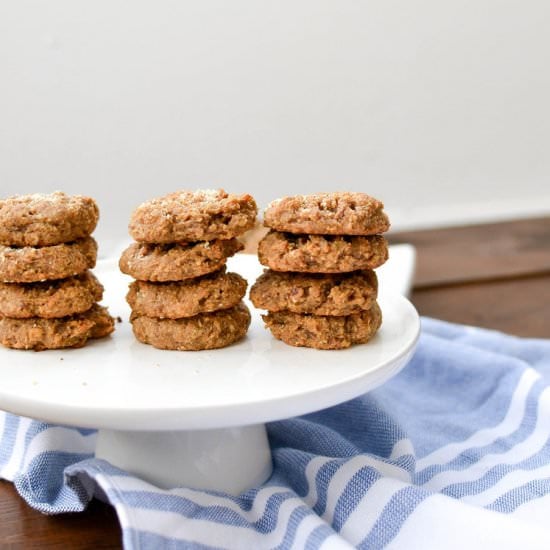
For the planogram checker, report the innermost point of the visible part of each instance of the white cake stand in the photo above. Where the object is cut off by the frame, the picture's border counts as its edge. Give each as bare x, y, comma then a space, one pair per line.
196, 418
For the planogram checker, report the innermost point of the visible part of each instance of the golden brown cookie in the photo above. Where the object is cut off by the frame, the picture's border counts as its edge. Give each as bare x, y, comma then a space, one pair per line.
45, 220
202, 215
66, 332
219, 290
322, 253
50, 299
203, 331
320, 294
340, 213
30, 264
324, 331
176, 262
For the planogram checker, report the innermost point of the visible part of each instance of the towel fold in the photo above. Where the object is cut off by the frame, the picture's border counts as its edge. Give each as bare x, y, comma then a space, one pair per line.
453, 452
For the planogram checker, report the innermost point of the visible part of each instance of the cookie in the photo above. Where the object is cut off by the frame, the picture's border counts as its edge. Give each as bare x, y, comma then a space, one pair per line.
341, 213
50, 299
320, 294
253, 237
203, 331
66, 332
45, 220
176, 262
30, 264
324, 331
322, 253
220, 290
201, 215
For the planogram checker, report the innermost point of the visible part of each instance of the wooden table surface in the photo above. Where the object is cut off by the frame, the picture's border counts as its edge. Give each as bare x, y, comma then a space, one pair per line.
496, 276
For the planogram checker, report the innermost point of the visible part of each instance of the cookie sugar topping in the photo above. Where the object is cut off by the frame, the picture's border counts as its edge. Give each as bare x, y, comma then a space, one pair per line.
340, 213
41, 219
200, 215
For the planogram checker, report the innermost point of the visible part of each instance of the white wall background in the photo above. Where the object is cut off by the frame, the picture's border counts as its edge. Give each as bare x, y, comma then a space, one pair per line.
441, 109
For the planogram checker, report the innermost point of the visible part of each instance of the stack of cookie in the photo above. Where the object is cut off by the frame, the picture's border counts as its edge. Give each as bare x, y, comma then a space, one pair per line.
321, 290
48, 296
183, 298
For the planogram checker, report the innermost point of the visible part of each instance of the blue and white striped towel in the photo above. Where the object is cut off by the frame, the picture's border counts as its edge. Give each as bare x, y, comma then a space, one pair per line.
454, 452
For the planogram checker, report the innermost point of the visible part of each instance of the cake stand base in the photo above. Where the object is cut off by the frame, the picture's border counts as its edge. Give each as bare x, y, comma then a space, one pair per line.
231, 460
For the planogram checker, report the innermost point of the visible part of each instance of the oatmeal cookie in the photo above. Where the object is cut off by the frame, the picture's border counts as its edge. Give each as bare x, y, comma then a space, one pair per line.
176, 262
45, 220
203, 331
342, 213
219, 290
322, 253
30, 264
323, 331
66, 332
50, 299
201, 215
320, 294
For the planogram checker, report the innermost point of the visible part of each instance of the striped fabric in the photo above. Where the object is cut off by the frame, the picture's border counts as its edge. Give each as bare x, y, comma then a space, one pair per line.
454, 452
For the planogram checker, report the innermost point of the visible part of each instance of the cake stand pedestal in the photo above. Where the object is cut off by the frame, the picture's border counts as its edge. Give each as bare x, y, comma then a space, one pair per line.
230, 460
